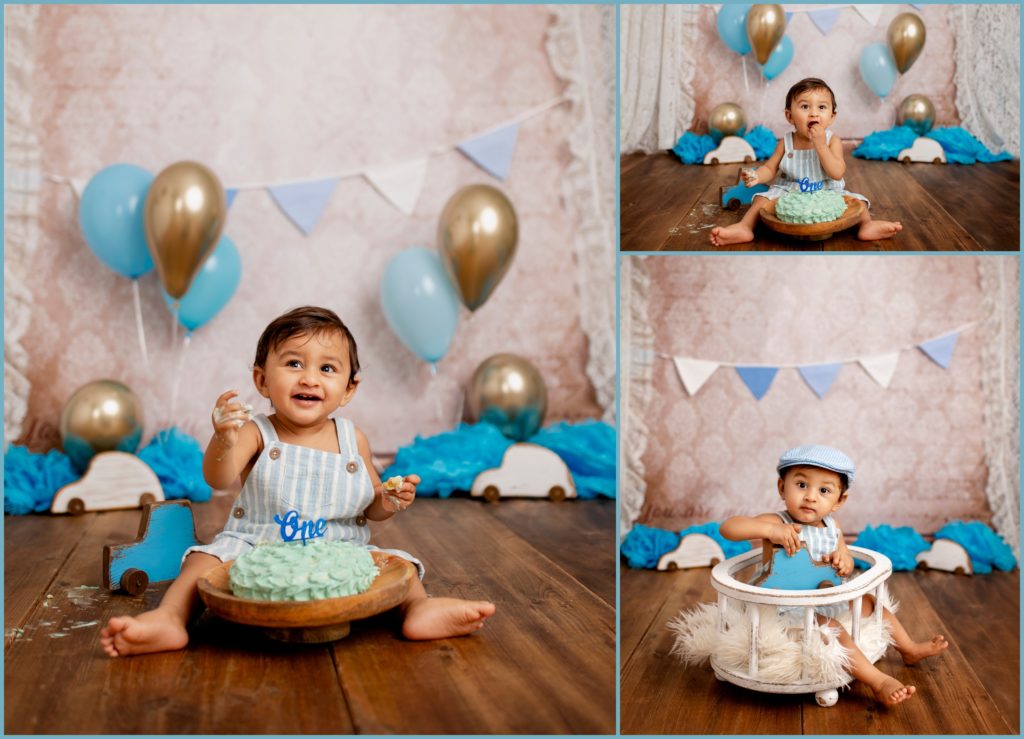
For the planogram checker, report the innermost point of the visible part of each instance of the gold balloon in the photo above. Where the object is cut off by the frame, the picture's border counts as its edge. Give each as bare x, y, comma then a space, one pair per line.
917, 112
906, 39
765, 26
183, 216
726, 119
101, 416
509, 392
476, 236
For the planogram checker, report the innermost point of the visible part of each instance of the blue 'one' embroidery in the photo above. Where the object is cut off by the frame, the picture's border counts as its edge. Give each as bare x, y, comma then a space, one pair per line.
808, 186
291, 527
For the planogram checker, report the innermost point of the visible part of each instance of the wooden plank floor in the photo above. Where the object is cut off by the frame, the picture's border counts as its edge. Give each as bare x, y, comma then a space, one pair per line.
973, 688
667, 206
545, 663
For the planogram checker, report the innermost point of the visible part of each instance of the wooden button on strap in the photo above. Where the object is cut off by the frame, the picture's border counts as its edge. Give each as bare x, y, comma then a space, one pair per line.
238, 512
275, 453
360, 520
352, 466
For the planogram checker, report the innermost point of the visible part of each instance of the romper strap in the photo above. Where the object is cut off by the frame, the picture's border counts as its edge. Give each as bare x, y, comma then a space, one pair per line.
266, 428
784, 515
346, 436
788, 142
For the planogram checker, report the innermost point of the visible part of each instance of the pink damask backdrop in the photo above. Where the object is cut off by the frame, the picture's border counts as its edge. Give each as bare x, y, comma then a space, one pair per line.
835, 58
918, 445
275, 93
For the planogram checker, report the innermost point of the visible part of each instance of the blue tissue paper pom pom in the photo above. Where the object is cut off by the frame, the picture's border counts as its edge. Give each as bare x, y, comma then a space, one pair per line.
177, 460
886, 144
31, 480
762, 140
644, 545
959, 146
984, 546
692, 148
451, 460
901, 545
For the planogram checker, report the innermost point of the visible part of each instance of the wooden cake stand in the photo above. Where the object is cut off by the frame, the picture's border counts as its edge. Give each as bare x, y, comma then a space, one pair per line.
814, 231
310, 621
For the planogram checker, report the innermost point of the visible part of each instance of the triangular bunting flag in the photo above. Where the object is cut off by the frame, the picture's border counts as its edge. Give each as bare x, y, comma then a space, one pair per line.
820, 376
757, 379
493, 151
694, 372
940, 350
917, 5
401, 184
881, 367
229, 194
78, 185
870, 13
824, 19
788, 16
303, 202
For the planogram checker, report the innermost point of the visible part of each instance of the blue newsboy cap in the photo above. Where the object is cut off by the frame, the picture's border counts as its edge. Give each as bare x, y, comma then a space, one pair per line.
818, 455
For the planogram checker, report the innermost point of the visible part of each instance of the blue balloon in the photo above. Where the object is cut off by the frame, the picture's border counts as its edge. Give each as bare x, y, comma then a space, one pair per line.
110, 214
732, 27
420, 303
779, 59
878, 68
213, 286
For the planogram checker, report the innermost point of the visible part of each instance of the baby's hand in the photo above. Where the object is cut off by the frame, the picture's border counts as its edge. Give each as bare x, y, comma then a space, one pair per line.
398, 493
816, 133
842, 562
228, 417
787, 536
749, 176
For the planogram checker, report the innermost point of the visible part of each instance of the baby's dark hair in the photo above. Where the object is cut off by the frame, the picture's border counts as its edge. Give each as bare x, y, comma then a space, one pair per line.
805, 85
306, 320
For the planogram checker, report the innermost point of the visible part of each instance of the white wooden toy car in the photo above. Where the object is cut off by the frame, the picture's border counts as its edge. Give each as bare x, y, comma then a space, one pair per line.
526, 471
731, 149
946, 555
694, 550
924, 149
113, 480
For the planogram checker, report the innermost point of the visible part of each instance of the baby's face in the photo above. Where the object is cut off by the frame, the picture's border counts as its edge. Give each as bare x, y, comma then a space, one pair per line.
306, 377
810, 493
811, 108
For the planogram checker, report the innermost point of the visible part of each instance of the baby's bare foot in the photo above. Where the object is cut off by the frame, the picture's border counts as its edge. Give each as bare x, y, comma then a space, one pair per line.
921, 649
152, 631
875, 230
891, 691
439, 618
737, 233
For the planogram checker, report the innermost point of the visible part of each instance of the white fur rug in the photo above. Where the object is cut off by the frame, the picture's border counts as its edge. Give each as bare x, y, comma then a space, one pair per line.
780, 643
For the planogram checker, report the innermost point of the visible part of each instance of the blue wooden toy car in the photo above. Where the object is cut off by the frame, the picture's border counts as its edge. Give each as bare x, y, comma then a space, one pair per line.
166, 530
733, 196
799, 572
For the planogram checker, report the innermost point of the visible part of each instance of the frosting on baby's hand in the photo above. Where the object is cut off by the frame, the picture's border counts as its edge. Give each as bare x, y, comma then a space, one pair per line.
391, 488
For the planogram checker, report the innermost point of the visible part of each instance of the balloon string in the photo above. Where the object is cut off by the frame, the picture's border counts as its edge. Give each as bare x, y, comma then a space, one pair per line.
177, 375
138, 321
174, 323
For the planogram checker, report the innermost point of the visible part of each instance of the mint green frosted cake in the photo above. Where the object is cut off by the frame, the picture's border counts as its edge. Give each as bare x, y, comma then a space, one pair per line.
296, 571
810, 207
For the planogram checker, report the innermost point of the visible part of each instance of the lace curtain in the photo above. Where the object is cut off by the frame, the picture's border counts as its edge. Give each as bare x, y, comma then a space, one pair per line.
988, 73
1000, 381
656, 74
581, 47
636, 346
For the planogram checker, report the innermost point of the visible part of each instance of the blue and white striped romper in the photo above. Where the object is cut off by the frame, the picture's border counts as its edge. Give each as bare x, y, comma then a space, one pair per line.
315, 483
820, 540
799, 163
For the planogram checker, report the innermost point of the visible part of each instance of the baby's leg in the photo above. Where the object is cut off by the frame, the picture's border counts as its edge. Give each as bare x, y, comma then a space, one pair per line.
887, 689
162, 629
439, 618
742, 232
870, 230
912, 651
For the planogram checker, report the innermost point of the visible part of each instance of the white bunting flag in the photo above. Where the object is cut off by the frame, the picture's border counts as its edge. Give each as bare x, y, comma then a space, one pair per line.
871, 13
881, 367
78, 185
694, 372
401, 183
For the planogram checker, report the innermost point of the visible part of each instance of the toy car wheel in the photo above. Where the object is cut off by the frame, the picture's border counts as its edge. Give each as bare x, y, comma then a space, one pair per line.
747, 159
714, 561
958, 571
76, 507
672, 567
936, 160
146, 498
557, 493
134, 581
714, 160
827, 698
734, 204
905, 160
491, 494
